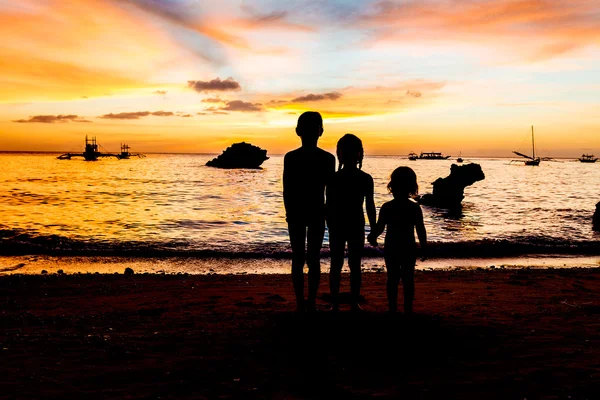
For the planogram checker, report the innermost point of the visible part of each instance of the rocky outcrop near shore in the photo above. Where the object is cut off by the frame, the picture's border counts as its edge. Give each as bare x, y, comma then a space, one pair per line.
448, 192
240, 155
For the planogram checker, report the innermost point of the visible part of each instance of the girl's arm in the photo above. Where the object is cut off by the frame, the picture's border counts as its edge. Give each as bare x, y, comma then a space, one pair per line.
421, 232
370, 204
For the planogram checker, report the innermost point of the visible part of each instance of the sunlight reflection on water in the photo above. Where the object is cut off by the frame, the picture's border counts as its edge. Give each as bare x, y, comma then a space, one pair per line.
175, 197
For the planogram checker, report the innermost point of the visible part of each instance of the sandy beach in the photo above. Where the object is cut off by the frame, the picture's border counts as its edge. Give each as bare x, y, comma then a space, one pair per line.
494, 333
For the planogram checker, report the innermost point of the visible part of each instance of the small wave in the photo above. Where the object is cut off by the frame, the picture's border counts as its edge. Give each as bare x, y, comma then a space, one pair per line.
14, 242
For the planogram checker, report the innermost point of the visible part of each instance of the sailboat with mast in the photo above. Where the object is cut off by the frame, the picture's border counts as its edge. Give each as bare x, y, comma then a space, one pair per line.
530, 160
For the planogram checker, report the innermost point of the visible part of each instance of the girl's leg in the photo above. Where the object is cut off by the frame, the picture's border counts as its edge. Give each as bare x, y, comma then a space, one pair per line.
408, 283
393, 279
336, 248
356, 244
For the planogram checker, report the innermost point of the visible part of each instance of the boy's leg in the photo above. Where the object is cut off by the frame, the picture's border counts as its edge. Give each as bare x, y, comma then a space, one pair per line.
408, 284
297, 233
336, 249
356, 244
315, 234
393, 279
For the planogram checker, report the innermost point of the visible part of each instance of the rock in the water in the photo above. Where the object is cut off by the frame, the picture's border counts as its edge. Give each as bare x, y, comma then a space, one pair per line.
596, 219
128, 271
448, 192
240, 155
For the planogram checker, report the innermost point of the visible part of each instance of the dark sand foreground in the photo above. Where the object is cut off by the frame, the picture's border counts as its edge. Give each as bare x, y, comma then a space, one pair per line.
505, 334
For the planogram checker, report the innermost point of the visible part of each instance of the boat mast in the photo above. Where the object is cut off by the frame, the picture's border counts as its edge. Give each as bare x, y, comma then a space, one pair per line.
532, 142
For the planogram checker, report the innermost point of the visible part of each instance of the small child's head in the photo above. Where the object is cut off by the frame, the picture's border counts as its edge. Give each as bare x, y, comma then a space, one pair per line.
403, 183
350, 151
310, 126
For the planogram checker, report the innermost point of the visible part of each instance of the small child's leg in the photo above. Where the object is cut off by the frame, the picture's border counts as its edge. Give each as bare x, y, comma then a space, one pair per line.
408, 284
393, 279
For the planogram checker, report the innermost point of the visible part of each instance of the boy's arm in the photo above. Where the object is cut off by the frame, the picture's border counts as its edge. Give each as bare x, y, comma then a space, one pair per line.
329, 172
331, 167
421, 232
370, 204
286, 183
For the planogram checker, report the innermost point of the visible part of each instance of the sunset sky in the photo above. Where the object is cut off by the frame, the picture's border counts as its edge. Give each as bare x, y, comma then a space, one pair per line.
198, 75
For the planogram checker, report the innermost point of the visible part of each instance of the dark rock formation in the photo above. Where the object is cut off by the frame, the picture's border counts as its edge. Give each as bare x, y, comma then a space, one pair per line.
448, 192
596, 219
240, 155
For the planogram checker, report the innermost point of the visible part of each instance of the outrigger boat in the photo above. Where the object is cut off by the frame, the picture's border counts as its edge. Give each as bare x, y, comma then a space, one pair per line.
428, 156
530, 160
125, 153
588, 158
91, 152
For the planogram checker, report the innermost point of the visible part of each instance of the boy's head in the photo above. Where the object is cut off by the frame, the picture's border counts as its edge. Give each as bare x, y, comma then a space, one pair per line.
403, 183
310, 126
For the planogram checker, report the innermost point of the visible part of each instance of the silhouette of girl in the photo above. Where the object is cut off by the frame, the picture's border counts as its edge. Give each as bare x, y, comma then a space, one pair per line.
401, 216
346, 193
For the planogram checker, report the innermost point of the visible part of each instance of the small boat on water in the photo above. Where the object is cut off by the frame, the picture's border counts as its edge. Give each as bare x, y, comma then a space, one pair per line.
432, 156
588, 158
412, 156
126, 154
459, 159
530, 160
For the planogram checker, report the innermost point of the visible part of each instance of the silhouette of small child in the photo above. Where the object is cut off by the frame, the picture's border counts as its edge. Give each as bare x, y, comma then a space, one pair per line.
401, 216
306, 171
346, 193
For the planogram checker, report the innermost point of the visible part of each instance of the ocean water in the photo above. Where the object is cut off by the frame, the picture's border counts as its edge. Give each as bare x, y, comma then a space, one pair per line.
174, 205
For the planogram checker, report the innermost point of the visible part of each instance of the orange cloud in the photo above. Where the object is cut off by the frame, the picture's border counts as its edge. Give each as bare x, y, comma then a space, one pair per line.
51, 119
58, 50
215, 85
540, 28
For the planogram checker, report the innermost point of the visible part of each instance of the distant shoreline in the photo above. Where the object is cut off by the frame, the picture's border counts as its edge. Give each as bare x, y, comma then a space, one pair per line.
452, 158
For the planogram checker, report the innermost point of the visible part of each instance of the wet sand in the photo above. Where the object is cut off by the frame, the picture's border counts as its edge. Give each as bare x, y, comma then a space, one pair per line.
35, 264
501, 333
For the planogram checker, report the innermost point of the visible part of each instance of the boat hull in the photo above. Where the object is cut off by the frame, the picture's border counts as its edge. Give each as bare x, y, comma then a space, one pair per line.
533, 163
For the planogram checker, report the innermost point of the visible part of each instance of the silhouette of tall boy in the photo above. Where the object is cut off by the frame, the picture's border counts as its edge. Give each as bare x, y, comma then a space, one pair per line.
306, 171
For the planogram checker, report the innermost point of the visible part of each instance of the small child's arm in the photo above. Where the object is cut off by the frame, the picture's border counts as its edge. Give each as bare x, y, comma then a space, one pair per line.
378, 228
421, 232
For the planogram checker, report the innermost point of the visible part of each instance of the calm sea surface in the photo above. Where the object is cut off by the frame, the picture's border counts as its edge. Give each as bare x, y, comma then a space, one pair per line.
173, 204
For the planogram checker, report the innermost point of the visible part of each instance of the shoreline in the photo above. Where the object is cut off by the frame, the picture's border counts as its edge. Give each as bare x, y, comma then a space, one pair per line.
35, 264
479, 333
